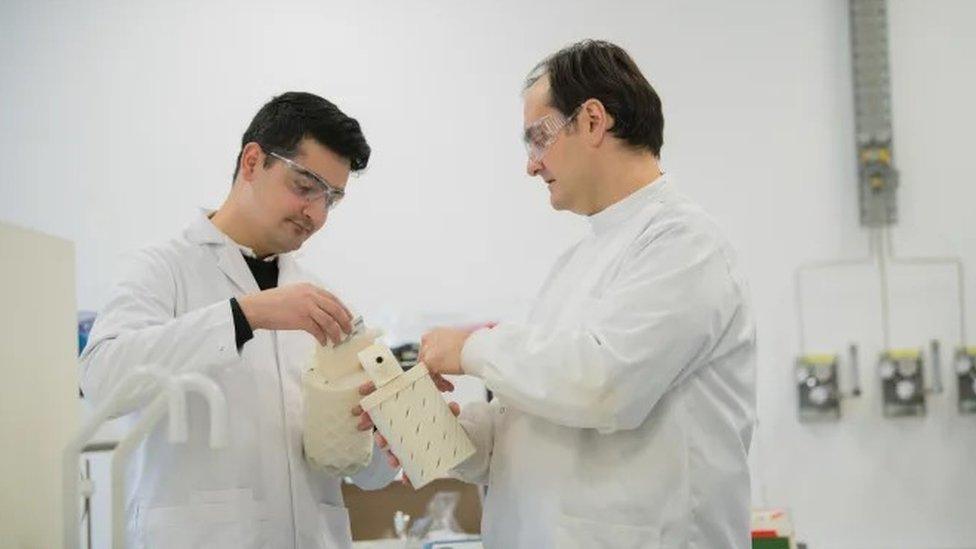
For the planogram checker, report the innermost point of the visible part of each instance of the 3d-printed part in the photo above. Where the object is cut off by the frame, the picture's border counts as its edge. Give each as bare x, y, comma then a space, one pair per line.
417, 423
380, 364
331, 390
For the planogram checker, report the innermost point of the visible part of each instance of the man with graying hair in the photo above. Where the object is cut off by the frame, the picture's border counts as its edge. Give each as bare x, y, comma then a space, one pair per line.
625, 403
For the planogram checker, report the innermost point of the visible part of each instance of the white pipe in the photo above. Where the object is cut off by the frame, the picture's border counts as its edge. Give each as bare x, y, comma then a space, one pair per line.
885, 306
215, 401
798, 282
72, 452
951, 260
151, 415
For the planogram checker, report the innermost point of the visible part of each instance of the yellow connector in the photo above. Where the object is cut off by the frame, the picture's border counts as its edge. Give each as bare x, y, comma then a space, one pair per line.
902, 354
818, 359
882, 155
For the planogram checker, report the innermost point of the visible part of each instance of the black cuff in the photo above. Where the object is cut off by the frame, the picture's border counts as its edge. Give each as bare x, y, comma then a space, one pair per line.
242, 328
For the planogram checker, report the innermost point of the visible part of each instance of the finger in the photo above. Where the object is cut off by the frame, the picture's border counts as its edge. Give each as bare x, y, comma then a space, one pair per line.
321, 293
406, 481
336, 312
380, 440
445, 386
365, 423
335, 308
338, 301
455, 408
442, 384
357, 410
327, 324
313, 328
367, 388
392, 460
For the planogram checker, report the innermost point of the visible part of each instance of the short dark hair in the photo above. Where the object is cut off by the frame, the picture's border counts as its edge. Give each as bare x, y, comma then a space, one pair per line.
604, 71
292, 116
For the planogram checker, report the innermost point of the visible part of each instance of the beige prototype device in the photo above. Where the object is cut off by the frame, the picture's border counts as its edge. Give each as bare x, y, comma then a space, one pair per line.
411, 414
331, 390
406, 408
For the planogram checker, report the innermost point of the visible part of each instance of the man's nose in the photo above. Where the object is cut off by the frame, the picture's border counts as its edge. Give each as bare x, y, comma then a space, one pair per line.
315, 209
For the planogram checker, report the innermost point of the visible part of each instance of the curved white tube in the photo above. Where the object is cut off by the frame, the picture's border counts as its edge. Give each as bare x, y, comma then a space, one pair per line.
170, 397
215, 401
151, 415
138, 378
179, 425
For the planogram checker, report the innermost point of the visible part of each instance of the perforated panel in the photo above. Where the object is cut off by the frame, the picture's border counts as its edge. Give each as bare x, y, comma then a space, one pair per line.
423, 433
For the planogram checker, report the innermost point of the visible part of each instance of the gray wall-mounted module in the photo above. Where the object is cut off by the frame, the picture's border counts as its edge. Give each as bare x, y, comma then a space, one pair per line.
878, 179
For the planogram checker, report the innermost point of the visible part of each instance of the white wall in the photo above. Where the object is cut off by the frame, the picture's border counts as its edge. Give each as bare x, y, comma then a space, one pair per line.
117, 119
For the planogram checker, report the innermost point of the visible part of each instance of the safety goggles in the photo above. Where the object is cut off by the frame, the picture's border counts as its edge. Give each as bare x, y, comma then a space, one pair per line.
309, 186
541, 134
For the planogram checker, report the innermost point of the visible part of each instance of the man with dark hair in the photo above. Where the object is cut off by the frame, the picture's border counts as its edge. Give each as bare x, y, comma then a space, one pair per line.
625, 402
226, 299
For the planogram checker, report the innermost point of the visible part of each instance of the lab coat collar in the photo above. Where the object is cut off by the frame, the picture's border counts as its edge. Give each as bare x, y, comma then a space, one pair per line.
229, 258
628, 207
203, 231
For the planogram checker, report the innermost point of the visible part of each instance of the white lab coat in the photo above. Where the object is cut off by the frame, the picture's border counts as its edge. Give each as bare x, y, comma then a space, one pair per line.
171, 310
625, 404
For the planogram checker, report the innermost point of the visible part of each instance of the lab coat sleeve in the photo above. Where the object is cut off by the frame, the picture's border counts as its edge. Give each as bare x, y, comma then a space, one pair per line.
476, 420
657, 321
138, 326
378, 473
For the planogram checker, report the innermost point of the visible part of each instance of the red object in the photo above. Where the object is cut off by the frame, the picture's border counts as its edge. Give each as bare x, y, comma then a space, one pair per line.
764, 534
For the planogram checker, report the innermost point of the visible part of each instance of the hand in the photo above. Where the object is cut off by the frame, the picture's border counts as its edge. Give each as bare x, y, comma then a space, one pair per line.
298, 307
392, 459
365, 422
440, 350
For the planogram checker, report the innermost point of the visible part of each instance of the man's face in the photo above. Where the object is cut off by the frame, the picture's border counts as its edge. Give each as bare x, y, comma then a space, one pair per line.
562, 166
287, 219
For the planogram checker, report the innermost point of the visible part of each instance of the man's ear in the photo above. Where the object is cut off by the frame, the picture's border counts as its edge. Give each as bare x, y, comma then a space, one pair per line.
252, 157
596, 121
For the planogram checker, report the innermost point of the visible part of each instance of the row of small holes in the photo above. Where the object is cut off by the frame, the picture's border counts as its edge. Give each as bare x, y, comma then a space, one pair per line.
407, 414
